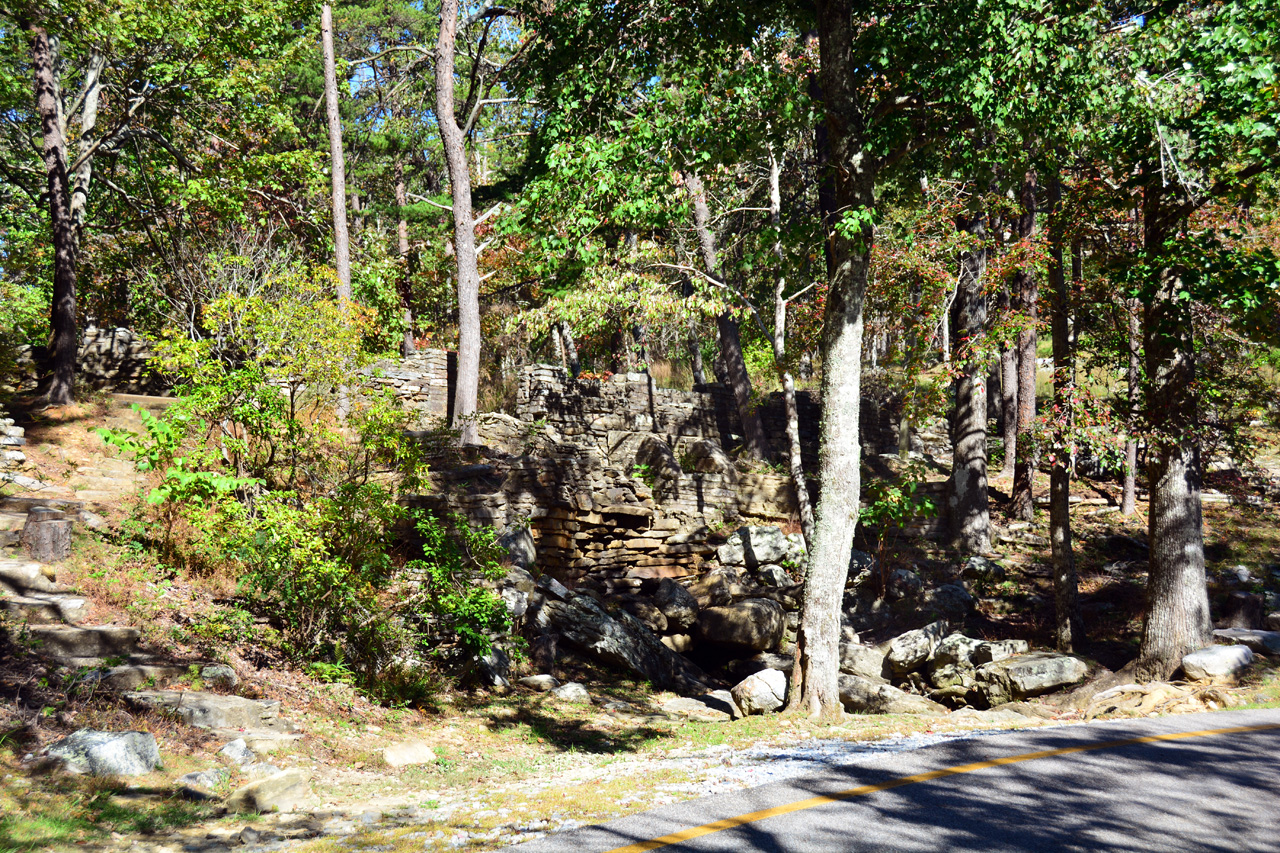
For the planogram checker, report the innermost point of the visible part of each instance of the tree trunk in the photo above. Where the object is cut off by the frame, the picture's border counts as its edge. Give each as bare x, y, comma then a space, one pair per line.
1008, 410
1066, 587
467, 392
1129, 499
338, 169
794, 458
970, 516
64, 343
407, 347
1177, 619
1027, 294
814, 677
754, 443
83, 174
570, 348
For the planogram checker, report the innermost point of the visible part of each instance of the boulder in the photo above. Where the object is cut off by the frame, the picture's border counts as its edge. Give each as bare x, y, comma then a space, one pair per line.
219, 675
520, 547
754, 546
203, 782
955, 649
761, 693
27, 576
981, 569
1259, 642
571, 692
516, 591
714, 707
953, 675
677, 604
657, 457
282, 792
860, 696
771, 575
1216, 662
238, 751
706, 457
914, 648
999, 650
618, 640
408, 753
646, 611
904, 584
862, 568
754, 624
678, 643
950, 600
207, 710
863, 661
1272, 622
107, 753
1024, 676
1242, 610
540, 683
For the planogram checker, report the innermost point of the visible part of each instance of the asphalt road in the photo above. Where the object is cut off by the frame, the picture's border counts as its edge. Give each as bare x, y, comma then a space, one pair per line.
1170, 784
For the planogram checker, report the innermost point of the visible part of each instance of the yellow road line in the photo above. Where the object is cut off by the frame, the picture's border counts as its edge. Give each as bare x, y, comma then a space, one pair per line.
812, 802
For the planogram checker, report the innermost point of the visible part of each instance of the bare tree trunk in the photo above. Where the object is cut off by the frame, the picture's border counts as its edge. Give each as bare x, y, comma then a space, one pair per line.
1068, 628
1026, 291
338, 169
558, 345
466, 395
693, 344
1129, 499
1008, 410
64, 344
795, 460
91, 89
1177, 618
970, 516
570, 348
754, 443
815, 688
407, 347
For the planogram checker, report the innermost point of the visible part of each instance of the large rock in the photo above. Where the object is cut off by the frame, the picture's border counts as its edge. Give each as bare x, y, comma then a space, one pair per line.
282, 792
208, 710
955, 649
408, 753
862, 568
913, 649
1000, 650
863, 661
950, 600
1024, 676
714, 707
677, 604
108, 753
1259, 642
754, 546
762, 692
860, 696
756, 624
618, 640
26, 576
1216, 662
904, 584
520, 547
645, 610
706, 457
573, 691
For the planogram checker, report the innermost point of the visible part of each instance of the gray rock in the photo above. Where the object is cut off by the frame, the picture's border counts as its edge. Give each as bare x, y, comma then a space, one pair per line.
761, 693
205, 780
1024, 676
107, 753
678, 643
409, 753
863, 661
771, 575
754, 546
1259, 642
982, 569
1272, 622
571, 692
999, 650
208, 710
862, 568
1216, 662
282, 792
860, 696
646, 611
955, 649
520, 547
952, 675
219, 674
915, 648
904, 584
714, 707
677, 604
70, 641
239, 752
540, 683
950, 600
706, 457
756, 624
260, 770
494, 667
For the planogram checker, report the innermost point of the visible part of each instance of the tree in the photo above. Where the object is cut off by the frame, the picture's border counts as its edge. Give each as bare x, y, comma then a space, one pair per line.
337, 163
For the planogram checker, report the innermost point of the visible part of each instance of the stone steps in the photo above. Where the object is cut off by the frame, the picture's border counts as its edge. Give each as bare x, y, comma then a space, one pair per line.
45, 608
65, 643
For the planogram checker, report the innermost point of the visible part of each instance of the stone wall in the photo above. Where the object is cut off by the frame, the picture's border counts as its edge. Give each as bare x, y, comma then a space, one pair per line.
423, 382
109, 359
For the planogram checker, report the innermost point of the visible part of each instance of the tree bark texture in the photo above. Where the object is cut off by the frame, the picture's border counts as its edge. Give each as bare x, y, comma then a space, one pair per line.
1133, 377
83, 173
754, 443
1177, 619
968, 500
467, 392
1026, 291
407, 346
1067, 622
338, 169
1008, 410
815, 688
64, 340
570, 349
